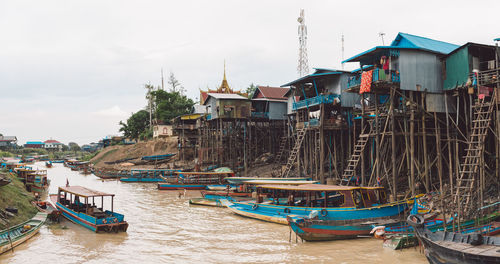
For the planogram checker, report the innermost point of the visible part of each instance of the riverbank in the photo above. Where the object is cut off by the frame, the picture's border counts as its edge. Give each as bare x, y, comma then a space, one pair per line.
15, 195
133, 154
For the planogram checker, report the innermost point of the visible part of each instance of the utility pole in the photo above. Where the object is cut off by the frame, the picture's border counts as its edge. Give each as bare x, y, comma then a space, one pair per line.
162, 83
342, 51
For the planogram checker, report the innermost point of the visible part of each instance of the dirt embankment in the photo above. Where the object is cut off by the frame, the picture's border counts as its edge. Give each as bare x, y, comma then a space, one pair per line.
136, 152
15, 195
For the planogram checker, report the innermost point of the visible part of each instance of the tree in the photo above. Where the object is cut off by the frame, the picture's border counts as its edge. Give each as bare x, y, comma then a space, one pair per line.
170, 105
250, 90
175, 85
74, 147
136, 124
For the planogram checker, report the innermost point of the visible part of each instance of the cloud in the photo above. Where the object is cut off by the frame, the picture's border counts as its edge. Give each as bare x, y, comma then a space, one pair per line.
114, 111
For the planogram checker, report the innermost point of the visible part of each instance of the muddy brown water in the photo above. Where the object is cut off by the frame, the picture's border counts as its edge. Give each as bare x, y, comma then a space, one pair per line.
164, 228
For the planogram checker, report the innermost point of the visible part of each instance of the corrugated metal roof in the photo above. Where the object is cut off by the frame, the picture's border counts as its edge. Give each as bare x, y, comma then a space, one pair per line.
52, 141
408, 41
226, 96
412, 41
8, 138
34, 143
310, 77
271, 92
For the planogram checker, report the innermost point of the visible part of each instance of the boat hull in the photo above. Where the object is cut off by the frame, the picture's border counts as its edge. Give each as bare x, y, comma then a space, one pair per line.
311, 230
6, 244
278, 213
141, 180
166, 186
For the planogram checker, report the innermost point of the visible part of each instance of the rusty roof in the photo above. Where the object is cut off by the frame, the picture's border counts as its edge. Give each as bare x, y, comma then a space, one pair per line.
310, 187
272, 92
83, 192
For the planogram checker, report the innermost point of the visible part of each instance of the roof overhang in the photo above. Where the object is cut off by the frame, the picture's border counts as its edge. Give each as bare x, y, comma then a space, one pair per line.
311, 77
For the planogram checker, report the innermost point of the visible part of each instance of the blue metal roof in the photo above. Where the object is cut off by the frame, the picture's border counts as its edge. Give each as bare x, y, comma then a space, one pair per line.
405, 40
311, 76
34, 143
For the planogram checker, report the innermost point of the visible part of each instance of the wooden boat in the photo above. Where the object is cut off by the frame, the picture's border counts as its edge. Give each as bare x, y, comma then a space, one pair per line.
16, 235
329, 202
53, 214
225, 194
153, 175
4, 180
449, 247
192, 180
158, 157
205, 202
86, 213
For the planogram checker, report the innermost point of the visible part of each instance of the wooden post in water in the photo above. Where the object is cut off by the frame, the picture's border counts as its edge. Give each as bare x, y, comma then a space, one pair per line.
393, 144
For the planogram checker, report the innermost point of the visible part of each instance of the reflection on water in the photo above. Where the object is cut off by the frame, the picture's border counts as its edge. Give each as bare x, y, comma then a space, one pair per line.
163, 228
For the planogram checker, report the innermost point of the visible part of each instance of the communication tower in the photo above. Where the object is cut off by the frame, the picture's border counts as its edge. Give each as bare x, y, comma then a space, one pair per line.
303, 67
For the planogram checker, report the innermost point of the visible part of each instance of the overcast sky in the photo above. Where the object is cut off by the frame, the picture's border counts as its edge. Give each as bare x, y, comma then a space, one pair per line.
71, 70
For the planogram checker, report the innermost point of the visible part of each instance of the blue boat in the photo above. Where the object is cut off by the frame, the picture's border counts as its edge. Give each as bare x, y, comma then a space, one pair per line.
193, 180
87, 213
157, 157
322, 202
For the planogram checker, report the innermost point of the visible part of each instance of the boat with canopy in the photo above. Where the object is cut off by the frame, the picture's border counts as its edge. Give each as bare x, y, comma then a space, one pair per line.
78, 204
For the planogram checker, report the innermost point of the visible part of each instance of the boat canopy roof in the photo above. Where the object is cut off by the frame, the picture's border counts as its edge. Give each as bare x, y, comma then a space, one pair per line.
83, 192
200, 173
276, 182
310, 187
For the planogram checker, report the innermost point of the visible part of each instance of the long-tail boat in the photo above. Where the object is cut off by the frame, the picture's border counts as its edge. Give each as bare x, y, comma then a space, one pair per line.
450, 247
192, 180
149, 175
329, 202
16, 235
86, 213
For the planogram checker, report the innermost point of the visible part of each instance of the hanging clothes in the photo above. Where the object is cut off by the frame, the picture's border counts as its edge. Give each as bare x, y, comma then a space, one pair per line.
366, 82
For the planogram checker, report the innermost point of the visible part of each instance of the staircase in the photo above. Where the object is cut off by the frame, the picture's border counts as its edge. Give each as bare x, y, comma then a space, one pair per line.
277, 160
463, 196
293, 154
352, 164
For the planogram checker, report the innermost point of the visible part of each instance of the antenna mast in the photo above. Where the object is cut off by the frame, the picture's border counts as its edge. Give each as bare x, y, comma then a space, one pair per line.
303, 67
381, 35
162, 84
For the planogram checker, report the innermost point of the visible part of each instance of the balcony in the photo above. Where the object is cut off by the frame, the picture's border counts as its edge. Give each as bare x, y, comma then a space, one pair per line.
378, 77
317, 100
260, 114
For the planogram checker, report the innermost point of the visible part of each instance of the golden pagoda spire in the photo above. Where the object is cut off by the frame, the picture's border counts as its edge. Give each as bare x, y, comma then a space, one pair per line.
224, 87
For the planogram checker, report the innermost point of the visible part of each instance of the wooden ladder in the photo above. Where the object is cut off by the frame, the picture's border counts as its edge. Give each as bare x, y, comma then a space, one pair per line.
469, 168
355, 158
277, 160
293, 154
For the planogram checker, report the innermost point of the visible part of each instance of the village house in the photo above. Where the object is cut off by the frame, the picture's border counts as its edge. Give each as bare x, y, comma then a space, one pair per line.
8, 142
52, 144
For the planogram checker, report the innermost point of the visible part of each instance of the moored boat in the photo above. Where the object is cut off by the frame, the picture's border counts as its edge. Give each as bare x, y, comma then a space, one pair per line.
53, 214
87, 213
450, 247
48, 164
16, 235
206, 202
329, 202
192, 180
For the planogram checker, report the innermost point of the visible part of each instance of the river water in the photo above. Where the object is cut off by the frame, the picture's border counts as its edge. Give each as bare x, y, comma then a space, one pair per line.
164, 228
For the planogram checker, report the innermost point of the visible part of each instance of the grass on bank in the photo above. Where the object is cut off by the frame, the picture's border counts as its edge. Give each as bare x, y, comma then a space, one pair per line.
14, 194
103, 156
